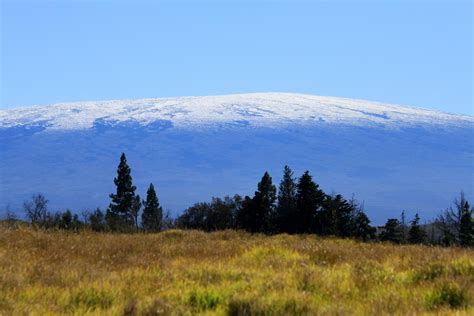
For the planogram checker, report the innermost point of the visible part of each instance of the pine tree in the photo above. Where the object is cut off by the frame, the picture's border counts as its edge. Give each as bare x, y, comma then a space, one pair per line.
345, 211
309, 199
287, 207
466, 227
265, 199
245, 214
416, 234
362, 229
336, 216
119, 214
263, 205
152, 215
392, 231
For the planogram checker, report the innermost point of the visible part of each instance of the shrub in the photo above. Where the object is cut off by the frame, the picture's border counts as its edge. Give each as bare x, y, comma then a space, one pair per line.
204, 300
449, 294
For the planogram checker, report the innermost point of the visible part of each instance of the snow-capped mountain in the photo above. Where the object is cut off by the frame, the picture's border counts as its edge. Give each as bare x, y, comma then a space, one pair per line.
256, 109
392, 157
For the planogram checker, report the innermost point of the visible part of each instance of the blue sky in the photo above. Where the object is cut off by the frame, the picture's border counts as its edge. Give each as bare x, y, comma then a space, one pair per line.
407, 52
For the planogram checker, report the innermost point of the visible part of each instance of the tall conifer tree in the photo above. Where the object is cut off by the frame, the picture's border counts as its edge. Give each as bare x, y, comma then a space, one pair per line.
286, 210
392, 231
263, 204
362, 229
119, 214
152, 215
466, 226
245, 214
309, 199
336, 216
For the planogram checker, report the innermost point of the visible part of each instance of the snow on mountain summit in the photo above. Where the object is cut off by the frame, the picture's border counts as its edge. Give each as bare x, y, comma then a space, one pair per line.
254, 109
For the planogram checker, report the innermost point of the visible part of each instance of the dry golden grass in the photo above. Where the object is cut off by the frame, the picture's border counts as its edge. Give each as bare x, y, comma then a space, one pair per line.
190, 272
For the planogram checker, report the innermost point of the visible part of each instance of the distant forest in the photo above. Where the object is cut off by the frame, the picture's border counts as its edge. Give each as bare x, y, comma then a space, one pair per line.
299, 206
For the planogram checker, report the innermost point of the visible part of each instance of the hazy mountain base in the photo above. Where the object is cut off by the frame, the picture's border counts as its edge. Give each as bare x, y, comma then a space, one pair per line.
184, 272
418, 169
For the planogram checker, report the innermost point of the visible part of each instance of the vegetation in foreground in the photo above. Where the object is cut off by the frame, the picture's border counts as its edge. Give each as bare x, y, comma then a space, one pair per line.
227, 272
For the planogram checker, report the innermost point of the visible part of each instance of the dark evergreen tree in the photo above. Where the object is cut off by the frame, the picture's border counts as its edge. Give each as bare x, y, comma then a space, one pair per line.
309, 199
152, 215
255, 214
264, 205
345, 212
361, 227
466, 227
392, 231
245, 214
336, 216
119, 214
326, 223
286, 213
416, 234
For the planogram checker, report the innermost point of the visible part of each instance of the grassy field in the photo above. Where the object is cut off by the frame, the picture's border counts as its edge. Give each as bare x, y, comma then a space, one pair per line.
190, 272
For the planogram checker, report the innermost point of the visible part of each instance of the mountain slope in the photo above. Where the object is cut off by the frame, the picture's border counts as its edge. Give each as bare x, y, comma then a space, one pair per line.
392, 157
257, 109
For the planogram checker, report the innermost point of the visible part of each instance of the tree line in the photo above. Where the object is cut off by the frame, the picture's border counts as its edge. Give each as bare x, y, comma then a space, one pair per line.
299, 206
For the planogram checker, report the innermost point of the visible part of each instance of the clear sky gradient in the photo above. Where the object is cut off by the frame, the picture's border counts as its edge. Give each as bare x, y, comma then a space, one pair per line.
416, 53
